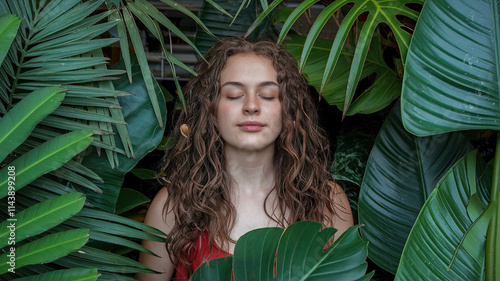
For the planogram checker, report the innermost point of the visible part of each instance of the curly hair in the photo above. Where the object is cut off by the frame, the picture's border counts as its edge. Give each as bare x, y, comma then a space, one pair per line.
198, 181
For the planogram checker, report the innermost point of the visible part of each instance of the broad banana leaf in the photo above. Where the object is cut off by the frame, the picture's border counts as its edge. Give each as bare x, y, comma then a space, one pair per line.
448, 239
8, 29
401, 173
295, 253
452, 74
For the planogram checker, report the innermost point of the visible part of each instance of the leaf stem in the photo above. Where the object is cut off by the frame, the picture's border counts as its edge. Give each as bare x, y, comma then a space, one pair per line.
493, 235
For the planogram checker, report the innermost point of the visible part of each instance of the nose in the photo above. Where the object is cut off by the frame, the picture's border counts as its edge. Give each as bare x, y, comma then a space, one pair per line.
251, 105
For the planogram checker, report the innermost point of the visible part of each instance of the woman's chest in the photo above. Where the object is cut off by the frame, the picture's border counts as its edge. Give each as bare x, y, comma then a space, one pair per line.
252, 215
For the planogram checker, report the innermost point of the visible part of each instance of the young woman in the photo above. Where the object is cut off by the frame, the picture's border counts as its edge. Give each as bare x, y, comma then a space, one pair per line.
249, 154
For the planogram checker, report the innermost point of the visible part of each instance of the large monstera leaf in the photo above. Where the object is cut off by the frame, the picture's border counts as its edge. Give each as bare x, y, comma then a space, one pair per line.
452, 73
401, 173
448, 239
378, 12
294, 253
385, 87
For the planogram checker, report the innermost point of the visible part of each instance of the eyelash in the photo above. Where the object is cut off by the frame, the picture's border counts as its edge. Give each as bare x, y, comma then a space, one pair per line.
268, 98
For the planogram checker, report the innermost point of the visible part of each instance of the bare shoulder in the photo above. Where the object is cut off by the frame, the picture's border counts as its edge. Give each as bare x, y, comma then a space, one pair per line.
155, 216
161, 262
343, 215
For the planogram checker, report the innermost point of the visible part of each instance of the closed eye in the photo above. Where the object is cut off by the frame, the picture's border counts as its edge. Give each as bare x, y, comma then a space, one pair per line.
267, 98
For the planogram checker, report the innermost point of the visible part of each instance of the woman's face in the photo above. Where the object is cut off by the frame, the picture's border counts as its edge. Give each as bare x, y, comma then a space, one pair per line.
249, 109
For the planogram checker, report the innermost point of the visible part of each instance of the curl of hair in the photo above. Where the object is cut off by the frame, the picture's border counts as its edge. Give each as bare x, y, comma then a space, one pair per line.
198, 181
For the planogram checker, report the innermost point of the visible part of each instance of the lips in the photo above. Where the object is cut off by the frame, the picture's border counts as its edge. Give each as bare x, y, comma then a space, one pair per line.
251, 126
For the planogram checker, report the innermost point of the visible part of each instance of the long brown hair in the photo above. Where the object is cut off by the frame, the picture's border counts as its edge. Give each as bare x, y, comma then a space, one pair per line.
198, 179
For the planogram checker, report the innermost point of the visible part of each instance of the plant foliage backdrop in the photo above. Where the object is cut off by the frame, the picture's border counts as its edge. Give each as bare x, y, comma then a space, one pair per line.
58, 98
56, 89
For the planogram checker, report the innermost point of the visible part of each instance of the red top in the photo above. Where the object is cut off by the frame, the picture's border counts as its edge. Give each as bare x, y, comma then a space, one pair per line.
199, 256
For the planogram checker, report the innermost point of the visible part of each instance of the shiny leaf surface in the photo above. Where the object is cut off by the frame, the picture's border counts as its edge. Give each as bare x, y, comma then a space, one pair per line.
47, 248
42, 216
452, 74
401, 173
8, 29
440, 242
18, 123
295, 253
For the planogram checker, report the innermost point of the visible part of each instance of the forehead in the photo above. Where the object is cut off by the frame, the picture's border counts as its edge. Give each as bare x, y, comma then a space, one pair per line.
248, 67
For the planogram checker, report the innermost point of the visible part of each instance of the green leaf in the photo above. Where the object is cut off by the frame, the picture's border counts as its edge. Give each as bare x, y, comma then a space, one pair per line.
75, 37
129, 199
46, 249
354, 143
253, 259
90, 213
262, 16
64, 23
143, 173
493, 232
161, 18
8, 30
45, 158
188, 13
73, 274
17, 125
116, 240
377, 13
218, 269
52, 10
434, 249
452, 74
62, 50
107, 258
41, 217
223, 26
144, 134
112, 228
69, 50
401, 173
384, 89
124, 46
141, 58
298, 252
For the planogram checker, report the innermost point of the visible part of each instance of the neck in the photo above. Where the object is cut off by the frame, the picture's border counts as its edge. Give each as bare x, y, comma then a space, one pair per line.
251, 171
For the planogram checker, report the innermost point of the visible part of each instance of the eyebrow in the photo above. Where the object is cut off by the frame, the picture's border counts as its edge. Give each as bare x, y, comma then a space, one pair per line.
241, 85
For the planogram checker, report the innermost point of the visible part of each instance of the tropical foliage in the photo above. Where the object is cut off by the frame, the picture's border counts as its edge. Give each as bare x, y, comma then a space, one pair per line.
57, 98
412, 183
274, 254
